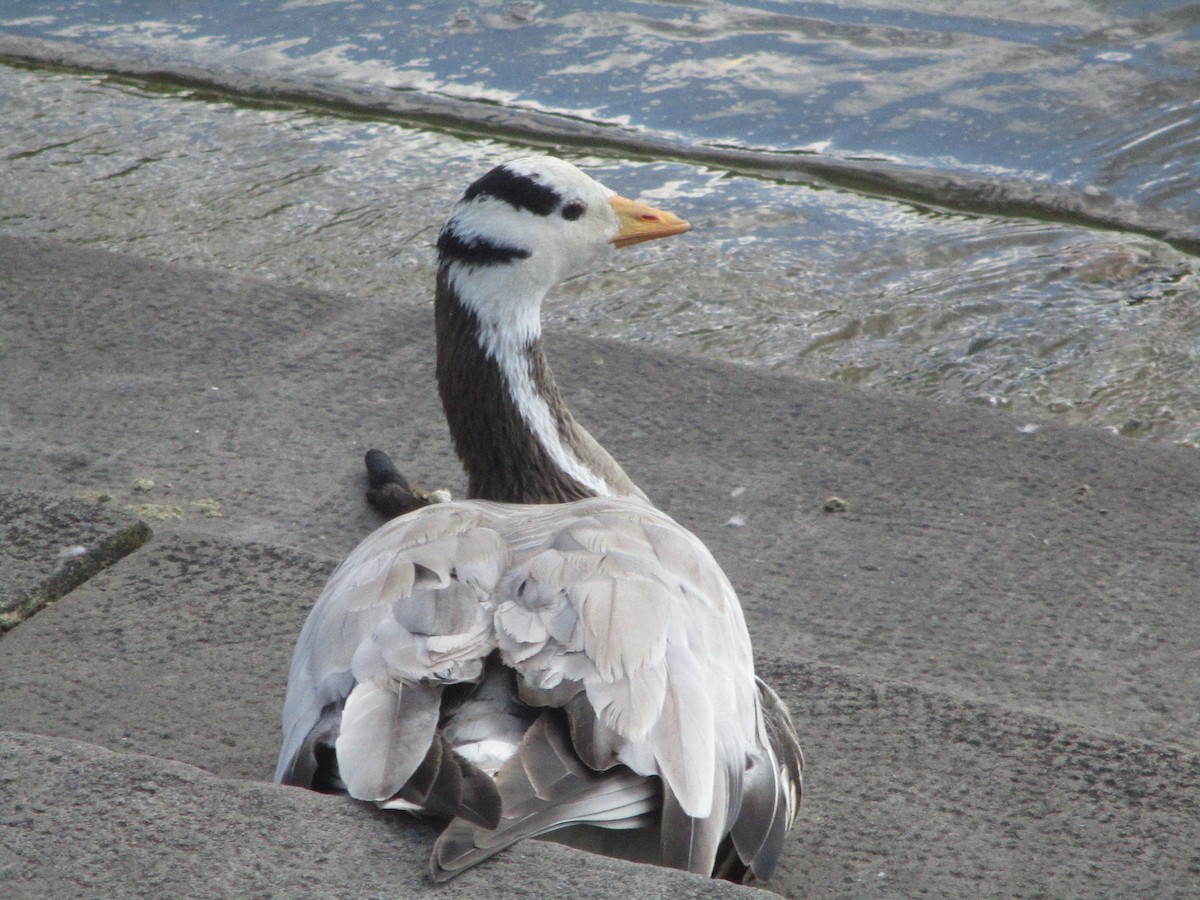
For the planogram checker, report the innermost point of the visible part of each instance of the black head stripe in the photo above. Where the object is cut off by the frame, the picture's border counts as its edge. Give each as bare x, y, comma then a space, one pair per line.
519, 191
475, 251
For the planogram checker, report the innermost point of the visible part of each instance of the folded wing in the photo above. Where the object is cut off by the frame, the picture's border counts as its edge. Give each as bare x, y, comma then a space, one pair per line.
606, 614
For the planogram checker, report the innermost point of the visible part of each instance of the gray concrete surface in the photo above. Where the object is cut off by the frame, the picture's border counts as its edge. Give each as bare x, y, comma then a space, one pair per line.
54, 544
141, 826
991, 653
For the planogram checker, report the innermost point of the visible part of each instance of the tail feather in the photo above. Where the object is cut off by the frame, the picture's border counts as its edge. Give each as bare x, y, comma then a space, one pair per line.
773, 788
544, 787
448, 785
691, 843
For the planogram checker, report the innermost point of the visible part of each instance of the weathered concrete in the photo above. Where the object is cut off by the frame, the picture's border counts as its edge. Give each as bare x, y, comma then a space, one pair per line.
181, 652
53, 544
1012, 610
915, 793
83, 822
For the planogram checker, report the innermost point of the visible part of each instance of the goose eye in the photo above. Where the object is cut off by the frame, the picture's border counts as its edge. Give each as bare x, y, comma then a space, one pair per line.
573, 211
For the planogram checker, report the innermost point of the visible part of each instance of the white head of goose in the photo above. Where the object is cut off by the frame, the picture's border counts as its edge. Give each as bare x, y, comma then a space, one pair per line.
554, 656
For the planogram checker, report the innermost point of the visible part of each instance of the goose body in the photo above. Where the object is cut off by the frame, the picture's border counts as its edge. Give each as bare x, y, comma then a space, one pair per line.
553, 656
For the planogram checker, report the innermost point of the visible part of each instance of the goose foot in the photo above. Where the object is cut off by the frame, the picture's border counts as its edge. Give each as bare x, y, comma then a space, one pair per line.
389, 493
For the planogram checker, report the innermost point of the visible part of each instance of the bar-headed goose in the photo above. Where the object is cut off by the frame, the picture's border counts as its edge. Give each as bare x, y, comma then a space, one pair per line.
554, 656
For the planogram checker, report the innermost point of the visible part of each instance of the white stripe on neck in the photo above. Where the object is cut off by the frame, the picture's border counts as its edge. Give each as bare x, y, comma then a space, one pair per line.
507, 327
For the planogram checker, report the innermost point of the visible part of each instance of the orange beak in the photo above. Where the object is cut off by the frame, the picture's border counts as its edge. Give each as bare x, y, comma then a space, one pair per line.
640, 222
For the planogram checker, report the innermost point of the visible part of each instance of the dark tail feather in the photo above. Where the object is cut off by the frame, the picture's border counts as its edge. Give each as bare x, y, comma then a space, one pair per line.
544, 787
448, 785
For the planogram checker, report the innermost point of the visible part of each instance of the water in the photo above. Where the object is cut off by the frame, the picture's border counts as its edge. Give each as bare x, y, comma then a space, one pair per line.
994, 206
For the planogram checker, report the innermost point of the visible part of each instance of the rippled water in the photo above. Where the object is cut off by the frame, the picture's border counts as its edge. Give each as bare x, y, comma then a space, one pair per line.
958, 260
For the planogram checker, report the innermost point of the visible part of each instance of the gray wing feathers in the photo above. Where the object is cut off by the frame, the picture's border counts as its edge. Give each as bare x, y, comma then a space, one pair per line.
684, 738
385, 734
605, 609
773, 783
313, 721
691, 843
411, 604
762, 821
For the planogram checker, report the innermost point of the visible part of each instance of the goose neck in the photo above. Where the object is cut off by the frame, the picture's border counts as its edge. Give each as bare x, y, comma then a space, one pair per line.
509, 423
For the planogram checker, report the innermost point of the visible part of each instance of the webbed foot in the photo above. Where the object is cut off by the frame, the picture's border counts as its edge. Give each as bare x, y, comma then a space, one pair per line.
388, 491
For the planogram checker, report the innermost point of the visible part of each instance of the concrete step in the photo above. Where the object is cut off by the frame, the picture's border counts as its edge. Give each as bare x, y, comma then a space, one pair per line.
51, 545
180, 651
990, 648
77, 820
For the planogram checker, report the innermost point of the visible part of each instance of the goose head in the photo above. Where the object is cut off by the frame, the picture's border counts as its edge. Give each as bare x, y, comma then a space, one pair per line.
530, 223
517, 231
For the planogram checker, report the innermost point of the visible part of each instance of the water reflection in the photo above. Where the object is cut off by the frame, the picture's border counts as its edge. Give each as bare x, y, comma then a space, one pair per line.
1021, 89
1095, 327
